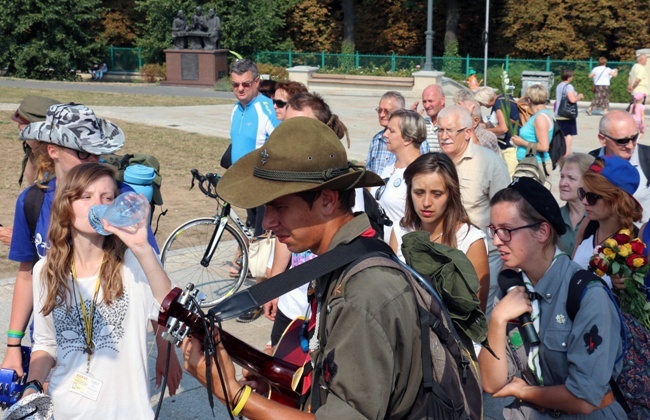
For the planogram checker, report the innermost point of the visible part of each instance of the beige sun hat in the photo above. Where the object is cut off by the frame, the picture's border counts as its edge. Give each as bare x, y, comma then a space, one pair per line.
302, 154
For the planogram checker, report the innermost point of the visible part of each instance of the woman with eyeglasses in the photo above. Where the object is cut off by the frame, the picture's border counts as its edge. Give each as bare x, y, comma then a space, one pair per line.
405, 131
607, 195
283, 92
70, 135
538, 129
433, 204
572, 167
553, 366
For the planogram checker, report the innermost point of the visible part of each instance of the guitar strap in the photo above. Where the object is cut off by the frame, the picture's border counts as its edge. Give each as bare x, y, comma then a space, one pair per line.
276, 286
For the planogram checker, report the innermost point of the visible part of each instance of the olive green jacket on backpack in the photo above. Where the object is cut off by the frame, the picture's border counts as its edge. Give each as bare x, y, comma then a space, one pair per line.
454, 278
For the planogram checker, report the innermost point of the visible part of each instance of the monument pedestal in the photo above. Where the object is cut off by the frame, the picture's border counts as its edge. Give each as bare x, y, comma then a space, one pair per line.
195, 67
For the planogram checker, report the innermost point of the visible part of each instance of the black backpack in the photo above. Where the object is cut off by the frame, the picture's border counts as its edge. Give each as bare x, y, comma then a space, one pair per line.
557, 148
376, 214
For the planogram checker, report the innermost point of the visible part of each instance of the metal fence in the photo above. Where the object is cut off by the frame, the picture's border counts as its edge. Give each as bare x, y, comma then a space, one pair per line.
394, 63
121, 59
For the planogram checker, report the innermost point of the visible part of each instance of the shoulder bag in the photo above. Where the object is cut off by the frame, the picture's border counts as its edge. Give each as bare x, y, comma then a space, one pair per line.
567, 109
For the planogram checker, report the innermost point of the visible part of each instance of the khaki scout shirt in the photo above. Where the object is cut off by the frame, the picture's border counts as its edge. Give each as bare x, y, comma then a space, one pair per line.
370, 347
481, 174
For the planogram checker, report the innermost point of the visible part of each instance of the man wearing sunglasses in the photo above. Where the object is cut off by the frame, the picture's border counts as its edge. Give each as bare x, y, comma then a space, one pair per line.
618, 135
378, 155
253, 119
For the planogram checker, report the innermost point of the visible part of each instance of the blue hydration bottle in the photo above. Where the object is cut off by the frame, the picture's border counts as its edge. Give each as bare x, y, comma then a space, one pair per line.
127, 209
140, 178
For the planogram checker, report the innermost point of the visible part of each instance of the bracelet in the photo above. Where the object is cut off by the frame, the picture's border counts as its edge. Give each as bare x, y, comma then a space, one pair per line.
15, 334
242, 400
14, 345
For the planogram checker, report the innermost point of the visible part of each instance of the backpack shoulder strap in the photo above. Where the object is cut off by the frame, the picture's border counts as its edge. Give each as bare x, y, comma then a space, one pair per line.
33, 203
577, 286
278, 285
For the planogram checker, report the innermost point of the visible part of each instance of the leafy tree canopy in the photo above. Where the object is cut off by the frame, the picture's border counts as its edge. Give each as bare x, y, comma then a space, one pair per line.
49, 39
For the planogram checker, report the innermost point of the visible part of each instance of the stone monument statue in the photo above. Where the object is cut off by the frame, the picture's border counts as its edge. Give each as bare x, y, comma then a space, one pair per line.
201, 33
214, 29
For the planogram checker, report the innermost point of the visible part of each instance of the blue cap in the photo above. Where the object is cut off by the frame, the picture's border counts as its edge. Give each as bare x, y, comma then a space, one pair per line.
619, 172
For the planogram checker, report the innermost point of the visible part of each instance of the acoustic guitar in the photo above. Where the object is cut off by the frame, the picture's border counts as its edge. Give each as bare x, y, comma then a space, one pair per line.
181, 313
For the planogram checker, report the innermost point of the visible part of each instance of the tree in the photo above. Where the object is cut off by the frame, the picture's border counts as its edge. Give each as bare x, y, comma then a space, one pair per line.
312, 27
575, 30
49, 39
120, 21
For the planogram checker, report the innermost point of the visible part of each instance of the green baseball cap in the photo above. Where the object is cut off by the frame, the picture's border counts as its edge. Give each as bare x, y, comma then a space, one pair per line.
33, 109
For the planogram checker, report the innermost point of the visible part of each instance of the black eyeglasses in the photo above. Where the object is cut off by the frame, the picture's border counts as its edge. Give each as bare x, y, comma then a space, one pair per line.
380, 190
245, 85
590, 197
280, 103
506, 234
450, 132
81, 155
624, 141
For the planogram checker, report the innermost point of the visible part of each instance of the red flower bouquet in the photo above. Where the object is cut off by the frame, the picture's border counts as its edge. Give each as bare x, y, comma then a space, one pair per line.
623, 256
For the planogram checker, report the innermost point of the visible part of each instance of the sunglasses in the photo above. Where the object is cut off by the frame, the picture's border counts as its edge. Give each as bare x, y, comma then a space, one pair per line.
591, 198
382, 111
624, 141
245, 85
380, 190
280, 103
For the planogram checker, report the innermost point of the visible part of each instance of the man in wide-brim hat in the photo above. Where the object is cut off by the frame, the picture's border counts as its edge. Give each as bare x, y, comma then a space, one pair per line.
303, 177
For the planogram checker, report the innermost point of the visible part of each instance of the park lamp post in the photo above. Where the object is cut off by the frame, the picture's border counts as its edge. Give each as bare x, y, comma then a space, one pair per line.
428, 66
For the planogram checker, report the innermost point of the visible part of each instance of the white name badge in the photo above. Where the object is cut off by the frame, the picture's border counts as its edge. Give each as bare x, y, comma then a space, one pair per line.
86, 386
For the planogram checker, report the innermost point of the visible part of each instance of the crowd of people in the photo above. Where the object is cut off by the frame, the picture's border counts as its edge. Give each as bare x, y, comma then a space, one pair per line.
435, 168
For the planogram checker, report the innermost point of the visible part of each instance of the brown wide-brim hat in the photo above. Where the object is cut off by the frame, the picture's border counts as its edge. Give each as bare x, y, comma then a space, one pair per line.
302, 154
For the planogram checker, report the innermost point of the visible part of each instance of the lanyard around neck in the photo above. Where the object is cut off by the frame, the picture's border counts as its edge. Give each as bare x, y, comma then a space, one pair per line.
87, 315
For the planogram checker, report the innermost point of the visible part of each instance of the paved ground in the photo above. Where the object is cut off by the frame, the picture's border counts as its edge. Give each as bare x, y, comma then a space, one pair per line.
356, 112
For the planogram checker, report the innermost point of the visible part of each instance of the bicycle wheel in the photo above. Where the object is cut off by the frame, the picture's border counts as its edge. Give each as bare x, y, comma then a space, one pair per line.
185, 248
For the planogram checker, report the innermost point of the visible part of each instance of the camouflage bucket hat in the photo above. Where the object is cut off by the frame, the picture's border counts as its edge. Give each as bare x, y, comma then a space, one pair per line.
302, 154
76, 127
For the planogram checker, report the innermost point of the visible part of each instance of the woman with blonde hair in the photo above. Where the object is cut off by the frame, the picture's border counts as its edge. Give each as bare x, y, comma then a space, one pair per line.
93, 296
538, 129
405, 132
433, 204
572, 167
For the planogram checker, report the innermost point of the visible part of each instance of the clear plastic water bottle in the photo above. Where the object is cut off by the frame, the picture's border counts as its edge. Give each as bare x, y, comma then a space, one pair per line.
127, 209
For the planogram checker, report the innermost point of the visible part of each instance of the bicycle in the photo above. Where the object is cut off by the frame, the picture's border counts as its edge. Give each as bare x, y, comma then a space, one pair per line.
190, 255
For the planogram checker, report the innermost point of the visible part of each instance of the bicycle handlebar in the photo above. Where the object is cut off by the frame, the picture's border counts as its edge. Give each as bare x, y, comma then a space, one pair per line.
210, 178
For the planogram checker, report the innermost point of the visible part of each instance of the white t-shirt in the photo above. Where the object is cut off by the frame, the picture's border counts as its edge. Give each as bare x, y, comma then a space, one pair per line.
120, 337
602, 75
466, 235
584, 252
393, 198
